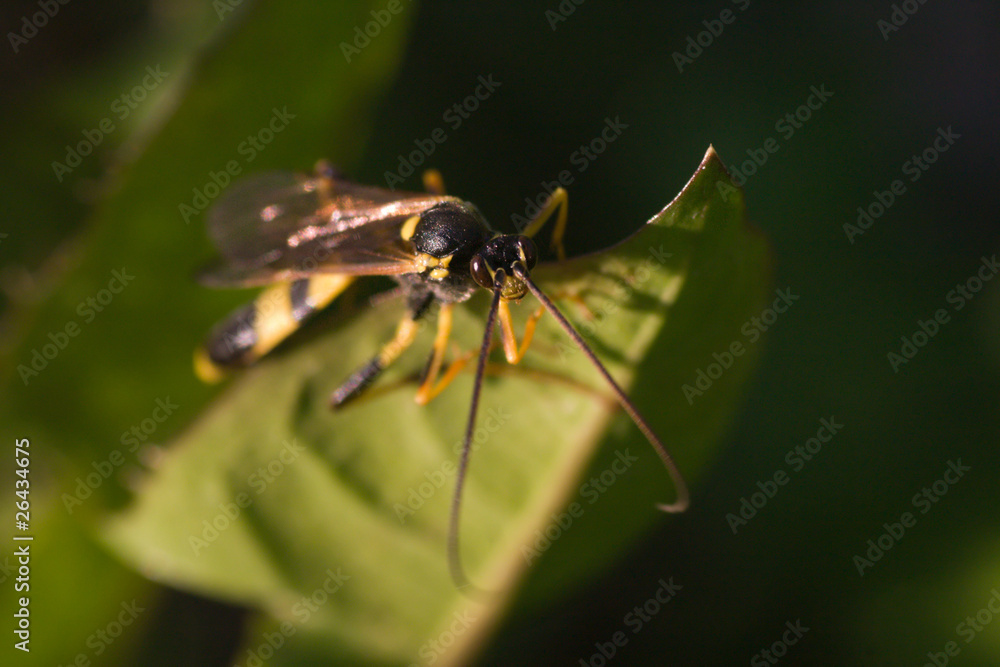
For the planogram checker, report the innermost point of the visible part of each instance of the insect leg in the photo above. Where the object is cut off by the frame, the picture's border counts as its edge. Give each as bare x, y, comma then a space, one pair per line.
433, 182
428, 387
328, 170
559, 199
511, 350
406, 331
255, 329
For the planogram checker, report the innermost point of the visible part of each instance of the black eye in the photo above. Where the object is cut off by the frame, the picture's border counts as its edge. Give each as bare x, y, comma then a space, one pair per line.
481, 272
528, 251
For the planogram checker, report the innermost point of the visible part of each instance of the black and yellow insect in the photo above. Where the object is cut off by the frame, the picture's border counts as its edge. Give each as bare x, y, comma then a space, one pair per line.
311, 236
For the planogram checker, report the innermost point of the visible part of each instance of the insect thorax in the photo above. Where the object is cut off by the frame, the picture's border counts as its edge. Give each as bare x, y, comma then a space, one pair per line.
444, 241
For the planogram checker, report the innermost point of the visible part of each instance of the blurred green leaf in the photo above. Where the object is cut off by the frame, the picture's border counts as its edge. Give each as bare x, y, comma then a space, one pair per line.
271, 500
251, 101
84, 364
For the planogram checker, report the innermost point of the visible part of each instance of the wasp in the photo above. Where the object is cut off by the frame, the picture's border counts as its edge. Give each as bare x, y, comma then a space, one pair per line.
310, 237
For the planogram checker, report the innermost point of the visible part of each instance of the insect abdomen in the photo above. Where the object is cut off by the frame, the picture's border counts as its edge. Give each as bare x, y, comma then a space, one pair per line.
255, 329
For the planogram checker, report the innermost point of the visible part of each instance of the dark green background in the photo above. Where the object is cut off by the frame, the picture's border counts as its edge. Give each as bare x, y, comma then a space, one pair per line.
826, 356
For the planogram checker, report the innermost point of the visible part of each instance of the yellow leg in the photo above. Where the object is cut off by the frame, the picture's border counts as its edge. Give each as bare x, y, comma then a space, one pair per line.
406, 332
430, 387
511, 350
325, 169
559, 199
326, 175
433, 182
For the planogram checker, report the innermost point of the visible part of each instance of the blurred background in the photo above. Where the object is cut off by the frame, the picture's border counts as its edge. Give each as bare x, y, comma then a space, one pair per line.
867, 137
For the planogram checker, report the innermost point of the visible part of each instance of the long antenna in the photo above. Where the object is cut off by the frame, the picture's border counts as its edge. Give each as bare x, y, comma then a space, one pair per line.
454, 557
683, 497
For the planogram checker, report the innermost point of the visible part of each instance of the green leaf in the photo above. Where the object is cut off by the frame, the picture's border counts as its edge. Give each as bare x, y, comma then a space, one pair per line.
269, 498
80, 393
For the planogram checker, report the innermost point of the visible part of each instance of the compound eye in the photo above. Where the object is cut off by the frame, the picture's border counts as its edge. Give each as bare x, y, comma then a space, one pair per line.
481, 272
528, 251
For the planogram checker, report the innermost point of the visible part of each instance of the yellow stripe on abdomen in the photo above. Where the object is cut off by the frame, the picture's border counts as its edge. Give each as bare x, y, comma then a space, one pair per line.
253, 330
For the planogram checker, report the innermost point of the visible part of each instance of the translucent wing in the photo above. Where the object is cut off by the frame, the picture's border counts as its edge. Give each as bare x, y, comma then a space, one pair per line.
282, 226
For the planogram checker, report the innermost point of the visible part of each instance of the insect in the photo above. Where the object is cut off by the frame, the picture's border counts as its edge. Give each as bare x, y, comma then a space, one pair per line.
311, 236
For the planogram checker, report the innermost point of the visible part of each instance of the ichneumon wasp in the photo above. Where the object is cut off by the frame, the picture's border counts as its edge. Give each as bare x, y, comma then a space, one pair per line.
310, 237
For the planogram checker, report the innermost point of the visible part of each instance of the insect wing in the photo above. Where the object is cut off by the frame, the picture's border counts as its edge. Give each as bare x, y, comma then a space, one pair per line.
281, 226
